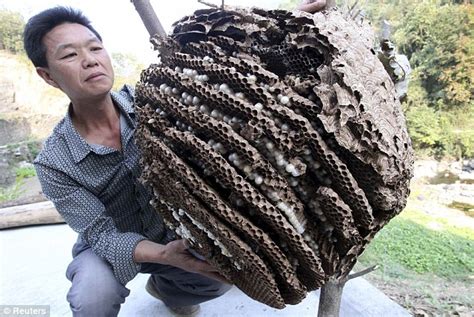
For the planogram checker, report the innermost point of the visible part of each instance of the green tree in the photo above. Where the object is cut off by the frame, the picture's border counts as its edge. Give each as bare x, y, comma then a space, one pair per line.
12, 25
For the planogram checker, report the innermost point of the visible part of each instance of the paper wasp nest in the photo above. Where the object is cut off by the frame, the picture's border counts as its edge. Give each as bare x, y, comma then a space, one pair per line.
274, 143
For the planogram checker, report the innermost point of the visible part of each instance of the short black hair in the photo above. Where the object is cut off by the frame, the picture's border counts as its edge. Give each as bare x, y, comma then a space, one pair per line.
39, 25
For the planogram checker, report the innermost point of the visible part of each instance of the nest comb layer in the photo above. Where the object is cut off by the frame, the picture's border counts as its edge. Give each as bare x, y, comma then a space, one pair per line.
274, 143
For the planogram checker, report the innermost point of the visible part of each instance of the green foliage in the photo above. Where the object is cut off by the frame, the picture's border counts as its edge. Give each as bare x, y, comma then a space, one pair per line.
406, 244
437, 36
11, 31
424, 126
24, 172
11, 193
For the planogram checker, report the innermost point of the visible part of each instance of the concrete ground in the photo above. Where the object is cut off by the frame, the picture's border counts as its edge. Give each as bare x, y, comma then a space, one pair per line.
33, 262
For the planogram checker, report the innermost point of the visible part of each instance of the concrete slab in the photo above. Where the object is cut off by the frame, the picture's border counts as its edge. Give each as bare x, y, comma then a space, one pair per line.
33, 262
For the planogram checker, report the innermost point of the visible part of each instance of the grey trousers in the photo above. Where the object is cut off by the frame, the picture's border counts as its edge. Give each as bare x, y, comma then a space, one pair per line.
96, 292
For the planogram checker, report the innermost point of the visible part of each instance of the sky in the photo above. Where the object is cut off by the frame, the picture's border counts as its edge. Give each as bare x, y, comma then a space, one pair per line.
118, 22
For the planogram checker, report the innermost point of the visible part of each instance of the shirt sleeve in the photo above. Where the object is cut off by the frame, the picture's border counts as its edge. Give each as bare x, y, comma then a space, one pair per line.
85, 214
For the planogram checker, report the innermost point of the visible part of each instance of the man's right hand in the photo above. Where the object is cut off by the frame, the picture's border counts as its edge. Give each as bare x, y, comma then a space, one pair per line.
176, 254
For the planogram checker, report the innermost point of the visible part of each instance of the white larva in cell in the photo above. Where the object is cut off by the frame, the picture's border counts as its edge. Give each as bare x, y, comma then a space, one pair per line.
258, 180
239, 202
226, 119
190, 129
284, 100
252, 78
215, 113
157, 110
196, 100
211, 60
181, 212
281, 162
205, 78
184, 95
258, 106
194, 73
239, 95
285, 127
279, 97
189, 100
175, 91
211, 142
206, 58
232, 69
247, 169
177, 69
269, 146
151, 121
168, 90
203, 108
163, 87
224, 88
295, 173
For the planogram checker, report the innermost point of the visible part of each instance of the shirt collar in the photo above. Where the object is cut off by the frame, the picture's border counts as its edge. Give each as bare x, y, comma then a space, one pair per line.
77, 145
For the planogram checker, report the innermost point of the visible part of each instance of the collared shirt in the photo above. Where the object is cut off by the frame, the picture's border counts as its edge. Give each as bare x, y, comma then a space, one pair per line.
96, 190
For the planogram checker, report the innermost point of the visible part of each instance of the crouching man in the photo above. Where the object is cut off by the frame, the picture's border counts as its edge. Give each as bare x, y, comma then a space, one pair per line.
89, 169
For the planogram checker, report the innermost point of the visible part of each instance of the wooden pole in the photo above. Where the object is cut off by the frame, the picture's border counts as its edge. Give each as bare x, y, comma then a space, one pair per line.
28, 215
149, 17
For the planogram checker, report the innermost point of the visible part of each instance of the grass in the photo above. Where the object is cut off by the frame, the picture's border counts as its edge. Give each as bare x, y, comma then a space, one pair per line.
405, 244
14, 191
425, 258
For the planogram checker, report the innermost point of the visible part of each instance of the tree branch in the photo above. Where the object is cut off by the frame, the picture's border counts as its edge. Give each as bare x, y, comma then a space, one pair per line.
363, 272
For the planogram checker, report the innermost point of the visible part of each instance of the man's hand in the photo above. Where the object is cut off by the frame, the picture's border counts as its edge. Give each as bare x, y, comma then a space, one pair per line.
176, 254
311, 6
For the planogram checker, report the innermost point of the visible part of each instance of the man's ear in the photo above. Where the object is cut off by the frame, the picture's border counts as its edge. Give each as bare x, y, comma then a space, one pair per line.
43, 72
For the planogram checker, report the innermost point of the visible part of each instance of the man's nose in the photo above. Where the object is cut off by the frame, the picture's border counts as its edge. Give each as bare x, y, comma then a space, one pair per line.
89, 60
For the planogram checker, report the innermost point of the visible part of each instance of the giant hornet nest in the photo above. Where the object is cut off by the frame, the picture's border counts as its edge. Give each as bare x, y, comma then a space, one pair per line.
274, 142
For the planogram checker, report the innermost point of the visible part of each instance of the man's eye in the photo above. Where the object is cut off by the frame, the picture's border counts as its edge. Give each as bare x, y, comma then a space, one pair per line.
69, 55
97, 48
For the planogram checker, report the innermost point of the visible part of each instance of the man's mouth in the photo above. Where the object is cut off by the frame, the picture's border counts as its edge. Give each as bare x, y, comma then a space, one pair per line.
94, 76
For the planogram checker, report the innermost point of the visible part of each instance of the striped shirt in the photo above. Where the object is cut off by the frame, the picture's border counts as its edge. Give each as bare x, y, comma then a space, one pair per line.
96, 190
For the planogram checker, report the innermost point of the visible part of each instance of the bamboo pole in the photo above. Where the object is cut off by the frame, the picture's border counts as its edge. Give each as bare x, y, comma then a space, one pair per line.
149, 17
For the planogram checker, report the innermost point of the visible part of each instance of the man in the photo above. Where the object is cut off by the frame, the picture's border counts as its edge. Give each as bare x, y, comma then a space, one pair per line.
89, 168
311, 6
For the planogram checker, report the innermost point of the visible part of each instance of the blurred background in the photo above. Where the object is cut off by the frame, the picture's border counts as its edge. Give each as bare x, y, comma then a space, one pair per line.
425, 255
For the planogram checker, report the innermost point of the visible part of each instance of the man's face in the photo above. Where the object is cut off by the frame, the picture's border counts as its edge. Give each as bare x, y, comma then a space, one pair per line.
78, 64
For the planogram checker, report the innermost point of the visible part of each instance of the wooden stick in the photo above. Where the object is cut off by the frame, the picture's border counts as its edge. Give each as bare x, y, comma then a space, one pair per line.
149, 17
28, 215
363, 272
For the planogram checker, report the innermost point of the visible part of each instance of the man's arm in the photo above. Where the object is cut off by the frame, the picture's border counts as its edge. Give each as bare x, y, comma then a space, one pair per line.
124, 251
85, 214
311, 6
